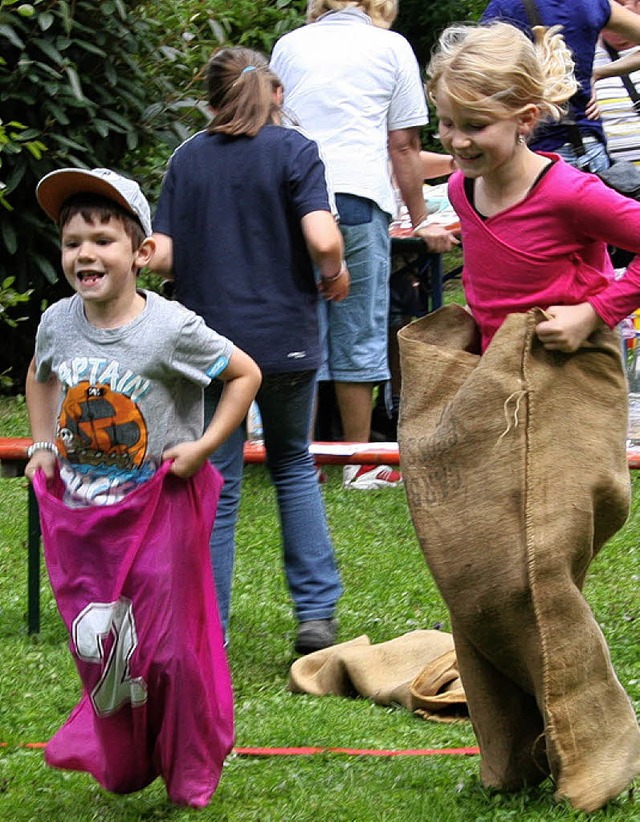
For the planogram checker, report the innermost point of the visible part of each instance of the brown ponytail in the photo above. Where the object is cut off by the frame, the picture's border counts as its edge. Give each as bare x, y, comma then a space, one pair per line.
241, 89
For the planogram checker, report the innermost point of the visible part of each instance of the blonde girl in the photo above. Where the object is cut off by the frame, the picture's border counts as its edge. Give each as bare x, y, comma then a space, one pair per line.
491, 86
497, 450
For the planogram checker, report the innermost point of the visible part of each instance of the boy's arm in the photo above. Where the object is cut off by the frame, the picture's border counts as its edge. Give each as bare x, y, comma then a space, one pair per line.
326, 249
242, 379
42, 405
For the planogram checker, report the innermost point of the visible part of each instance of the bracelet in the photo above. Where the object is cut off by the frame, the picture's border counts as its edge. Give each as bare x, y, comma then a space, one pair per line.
42, 446
333, 277
419, 224
423, 224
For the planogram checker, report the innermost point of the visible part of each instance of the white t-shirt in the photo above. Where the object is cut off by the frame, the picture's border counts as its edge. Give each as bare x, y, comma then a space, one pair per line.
348, 83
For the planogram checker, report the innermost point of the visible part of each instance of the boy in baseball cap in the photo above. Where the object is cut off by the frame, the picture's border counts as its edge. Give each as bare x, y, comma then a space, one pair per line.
105, 226
115, 402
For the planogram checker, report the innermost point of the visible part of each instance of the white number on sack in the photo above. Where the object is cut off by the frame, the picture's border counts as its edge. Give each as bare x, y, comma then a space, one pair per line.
89, 630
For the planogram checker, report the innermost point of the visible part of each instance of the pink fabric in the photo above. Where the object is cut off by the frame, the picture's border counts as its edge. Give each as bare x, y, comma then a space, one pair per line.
134, 586
549, 249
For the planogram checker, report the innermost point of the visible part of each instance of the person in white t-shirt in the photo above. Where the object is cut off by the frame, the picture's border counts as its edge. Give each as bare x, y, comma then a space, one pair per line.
355, 88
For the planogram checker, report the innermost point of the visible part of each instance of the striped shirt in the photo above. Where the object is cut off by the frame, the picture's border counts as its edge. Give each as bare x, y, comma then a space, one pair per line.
620, 119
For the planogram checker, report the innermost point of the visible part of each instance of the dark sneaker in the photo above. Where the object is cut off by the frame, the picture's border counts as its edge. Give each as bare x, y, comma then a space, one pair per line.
315, 635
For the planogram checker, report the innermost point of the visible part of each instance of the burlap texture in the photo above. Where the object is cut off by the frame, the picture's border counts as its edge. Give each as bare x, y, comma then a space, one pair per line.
515, 471
417, 670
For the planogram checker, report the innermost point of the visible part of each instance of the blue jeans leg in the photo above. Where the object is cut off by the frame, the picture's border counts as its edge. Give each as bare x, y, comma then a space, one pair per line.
228, 459
286, 404
596, 156
354, 331
286, 407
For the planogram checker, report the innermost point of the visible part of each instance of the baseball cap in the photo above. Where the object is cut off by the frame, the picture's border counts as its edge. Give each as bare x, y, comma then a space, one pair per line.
55, 189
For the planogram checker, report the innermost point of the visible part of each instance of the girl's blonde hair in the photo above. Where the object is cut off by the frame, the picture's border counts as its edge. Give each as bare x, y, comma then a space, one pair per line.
382, 12
242, 90
496, 70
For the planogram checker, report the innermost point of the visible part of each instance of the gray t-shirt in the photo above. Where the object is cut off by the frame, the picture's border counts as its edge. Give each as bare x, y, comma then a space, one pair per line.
127, 394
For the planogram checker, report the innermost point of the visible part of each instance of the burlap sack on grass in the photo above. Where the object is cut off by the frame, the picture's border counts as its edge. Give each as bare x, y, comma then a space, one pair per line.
417, 670
515, 471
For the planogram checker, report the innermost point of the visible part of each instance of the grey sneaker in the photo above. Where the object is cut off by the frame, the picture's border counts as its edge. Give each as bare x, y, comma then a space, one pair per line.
316, 634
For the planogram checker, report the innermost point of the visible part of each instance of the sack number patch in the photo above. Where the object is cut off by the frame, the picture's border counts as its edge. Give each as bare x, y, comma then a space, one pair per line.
90, 629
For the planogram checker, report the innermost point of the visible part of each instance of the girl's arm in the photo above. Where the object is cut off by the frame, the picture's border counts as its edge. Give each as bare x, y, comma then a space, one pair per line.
242, 379
42, 406
601, 213
162, 261
326, 249
568, 326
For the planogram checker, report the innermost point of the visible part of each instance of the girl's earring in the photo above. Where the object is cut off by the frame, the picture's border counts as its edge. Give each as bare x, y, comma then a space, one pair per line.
521, 139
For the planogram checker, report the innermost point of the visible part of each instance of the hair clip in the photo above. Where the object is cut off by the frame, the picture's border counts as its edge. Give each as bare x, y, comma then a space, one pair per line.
247, 68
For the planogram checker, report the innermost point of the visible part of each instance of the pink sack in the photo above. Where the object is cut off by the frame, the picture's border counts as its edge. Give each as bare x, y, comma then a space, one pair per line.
134, 586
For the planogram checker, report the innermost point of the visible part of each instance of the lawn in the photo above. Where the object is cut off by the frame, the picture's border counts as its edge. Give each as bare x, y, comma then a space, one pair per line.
388, 592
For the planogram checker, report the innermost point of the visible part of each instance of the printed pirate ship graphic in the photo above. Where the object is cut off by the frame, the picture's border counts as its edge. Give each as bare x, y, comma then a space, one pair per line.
100, 426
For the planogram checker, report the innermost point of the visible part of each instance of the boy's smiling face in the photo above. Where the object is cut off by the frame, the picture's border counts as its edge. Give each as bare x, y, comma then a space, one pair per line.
100, 263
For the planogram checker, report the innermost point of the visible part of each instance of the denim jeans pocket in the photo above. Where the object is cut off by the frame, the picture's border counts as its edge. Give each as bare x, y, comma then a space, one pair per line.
354, 210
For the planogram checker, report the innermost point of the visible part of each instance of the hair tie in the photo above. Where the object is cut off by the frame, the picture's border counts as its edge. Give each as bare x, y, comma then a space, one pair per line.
247, 68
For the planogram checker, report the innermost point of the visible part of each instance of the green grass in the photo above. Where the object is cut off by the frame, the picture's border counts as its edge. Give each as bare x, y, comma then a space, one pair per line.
388, 591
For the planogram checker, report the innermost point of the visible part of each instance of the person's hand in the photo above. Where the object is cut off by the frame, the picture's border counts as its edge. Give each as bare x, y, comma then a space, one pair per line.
45, 460
568, 327
188, 457
437, 238
336, 289
592, 109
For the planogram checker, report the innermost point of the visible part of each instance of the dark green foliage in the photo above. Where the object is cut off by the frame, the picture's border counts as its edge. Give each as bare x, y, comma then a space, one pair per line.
185, 33
421, 23
71, 75
72, 93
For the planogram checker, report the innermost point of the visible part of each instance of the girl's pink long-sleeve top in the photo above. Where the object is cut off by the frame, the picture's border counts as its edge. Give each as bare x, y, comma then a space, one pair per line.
549, 249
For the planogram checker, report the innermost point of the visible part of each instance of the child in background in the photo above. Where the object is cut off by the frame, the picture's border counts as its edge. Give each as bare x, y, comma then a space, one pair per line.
542, 694
119, 464
243, 211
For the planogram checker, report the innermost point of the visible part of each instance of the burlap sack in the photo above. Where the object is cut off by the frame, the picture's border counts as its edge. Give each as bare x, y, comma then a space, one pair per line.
515, 471
437, 693
416, 670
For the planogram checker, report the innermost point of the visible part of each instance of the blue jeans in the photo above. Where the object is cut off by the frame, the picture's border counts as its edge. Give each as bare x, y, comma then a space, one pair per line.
286, 406
354, 331
595, 156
